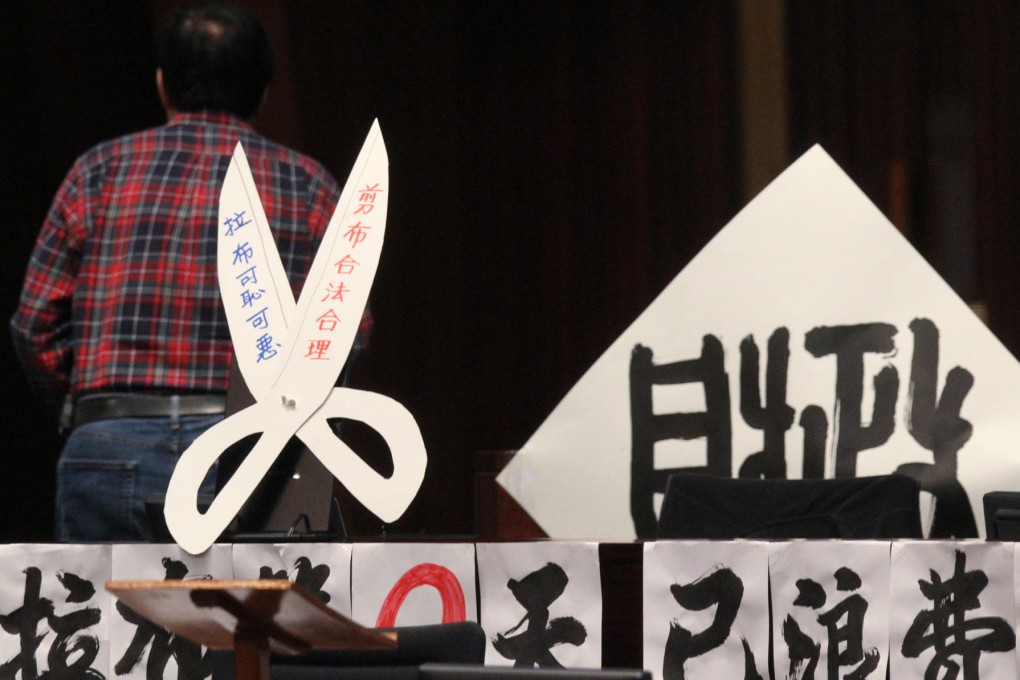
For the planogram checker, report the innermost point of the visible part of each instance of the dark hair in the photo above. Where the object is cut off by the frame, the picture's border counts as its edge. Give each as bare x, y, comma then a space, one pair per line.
214, 58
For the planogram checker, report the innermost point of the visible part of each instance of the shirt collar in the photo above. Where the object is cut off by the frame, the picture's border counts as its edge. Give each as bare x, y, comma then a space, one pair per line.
207, 118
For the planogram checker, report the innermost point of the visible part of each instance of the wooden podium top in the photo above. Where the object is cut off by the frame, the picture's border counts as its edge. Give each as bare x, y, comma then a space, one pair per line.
216, 613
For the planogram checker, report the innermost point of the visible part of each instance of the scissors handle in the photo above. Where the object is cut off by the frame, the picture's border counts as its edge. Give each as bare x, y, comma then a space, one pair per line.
388, 497
195, 531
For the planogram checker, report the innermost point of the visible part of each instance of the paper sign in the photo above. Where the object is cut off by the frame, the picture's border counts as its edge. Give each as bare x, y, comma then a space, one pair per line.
541, 604
706, 609
291, 356
952, 610
807, 339
830, 608
412, 584
53, 608
253, 561
139, 648
323, 569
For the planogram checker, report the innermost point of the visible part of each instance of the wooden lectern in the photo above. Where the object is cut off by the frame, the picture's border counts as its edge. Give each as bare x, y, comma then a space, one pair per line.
253, 618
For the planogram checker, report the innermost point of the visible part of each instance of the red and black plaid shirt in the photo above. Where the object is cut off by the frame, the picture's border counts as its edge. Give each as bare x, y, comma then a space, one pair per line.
121, 292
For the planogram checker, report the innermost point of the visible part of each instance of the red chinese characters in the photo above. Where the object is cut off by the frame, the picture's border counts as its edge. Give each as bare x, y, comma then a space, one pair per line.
356, 232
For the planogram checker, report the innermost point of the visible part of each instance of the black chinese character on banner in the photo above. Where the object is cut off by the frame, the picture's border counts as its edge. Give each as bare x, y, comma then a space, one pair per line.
958, 641
933, 420
648, 427
533, 646
192, 662
722, 589
70, 639
844, 627
309, 577
936, 425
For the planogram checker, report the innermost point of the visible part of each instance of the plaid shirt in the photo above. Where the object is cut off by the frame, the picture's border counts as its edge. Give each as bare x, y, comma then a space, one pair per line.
121, 291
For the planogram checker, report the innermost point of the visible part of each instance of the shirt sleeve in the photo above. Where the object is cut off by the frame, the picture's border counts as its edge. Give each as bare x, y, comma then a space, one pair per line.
41, 325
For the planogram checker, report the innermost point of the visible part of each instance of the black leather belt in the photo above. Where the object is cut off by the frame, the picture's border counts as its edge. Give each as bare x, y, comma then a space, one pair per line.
126, 405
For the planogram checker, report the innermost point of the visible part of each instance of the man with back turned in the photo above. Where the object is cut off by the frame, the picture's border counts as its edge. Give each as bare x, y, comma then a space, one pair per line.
120, 323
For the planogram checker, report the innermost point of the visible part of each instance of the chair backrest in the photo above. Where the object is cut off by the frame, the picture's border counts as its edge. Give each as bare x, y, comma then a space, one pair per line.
700, 506
445, 643
435, 671
1002, 515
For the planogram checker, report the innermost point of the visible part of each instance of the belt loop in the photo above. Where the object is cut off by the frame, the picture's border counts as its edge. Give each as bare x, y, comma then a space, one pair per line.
66, 415
175, 411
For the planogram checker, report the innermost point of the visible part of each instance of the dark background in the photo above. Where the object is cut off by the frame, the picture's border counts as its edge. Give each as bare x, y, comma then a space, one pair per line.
554, 165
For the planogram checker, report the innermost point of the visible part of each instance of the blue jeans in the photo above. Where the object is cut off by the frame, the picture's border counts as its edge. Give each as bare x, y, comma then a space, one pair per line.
109, 468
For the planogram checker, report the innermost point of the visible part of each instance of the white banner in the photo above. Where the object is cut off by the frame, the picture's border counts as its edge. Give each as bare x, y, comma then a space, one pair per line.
323, 569
953, 610
830, 608
54, 611
541, 604
706, 609
807, 339
408, 584
141, 650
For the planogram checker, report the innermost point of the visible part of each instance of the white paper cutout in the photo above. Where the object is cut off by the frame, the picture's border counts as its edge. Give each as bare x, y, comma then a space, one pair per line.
72, 579
819, 588
410, 584
291, 356
134, 562
254, 286
811, 250
972, 607
682, 563
545, 565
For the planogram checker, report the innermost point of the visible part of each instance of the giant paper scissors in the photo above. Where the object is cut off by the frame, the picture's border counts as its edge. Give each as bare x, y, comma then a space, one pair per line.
291, 355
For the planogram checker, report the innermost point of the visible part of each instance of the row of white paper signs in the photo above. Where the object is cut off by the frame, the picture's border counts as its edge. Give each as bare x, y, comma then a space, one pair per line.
839, 609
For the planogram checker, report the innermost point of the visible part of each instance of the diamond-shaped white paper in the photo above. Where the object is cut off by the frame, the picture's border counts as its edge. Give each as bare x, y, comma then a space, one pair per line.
809, 251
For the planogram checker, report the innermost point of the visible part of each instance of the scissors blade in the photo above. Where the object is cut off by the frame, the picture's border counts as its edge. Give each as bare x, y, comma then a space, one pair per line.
256, 293
335, 293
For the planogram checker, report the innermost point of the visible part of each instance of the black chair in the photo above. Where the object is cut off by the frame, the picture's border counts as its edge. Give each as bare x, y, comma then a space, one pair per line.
442, 643
701, 506
451, 643
434, 671
1002, 515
